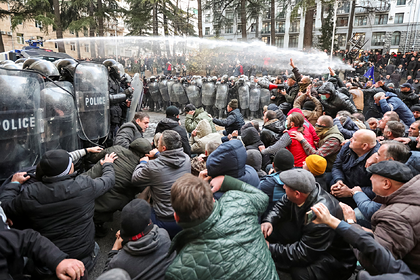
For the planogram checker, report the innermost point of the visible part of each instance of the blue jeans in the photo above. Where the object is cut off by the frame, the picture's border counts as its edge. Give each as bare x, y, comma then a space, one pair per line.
171, 226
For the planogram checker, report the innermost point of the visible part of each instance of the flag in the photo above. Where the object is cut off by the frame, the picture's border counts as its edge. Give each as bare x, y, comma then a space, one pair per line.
369, 74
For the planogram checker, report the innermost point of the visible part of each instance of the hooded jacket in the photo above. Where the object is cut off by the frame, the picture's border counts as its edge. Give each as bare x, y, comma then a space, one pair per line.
160, 174
271, 132
173, 124
127, 133
204, 135
229, 243
394, 103
338, 101
145, 258
191, 121
230, 159
396, 225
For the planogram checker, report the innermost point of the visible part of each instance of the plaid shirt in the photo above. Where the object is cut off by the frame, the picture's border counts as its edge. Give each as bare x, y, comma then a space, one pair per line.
331, 146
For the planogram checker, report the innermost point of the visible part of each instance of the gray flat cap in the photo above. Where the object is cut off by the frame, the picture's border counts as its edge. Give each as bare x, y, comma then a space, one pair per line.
298, 179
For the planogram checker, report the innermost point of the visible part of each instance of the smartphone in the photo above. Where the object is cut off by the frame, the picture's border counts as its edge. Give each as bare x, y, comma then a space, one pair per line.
309, 217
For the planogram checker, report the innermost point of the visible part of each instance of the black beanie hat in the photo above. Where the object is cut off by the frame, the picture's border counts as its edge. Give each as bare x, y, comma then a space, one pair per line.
55, 163
172, 111
135, 220
283, 160
308, 105
189, 107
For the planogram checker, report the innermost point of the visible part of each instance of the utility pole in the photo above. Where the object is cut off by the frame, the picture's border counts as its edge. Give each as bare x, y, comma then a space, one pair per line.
334, 25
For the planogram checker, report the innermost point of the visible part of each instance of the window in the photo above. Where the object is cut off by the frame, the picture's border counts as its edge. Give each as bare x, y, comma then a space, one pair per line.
86, 47
266, 40
71, 32
207, 18
378, 38
342, 21
38, 24
253, 28
72, 46
40, 39
280, 42
341, 40
381, 19
293, 41
267, 14
229, 29
280, 27
401, 2
360, 20
207, 31
294, 26
395, 40
239, 28
20, 38
344, 9
266, 28
281, 14
229, 15
399, 18
56, 45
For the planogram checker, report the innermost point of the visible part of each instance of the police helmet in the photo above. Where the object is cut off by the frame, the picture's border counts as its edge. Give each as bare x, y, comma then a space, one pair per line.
45, 67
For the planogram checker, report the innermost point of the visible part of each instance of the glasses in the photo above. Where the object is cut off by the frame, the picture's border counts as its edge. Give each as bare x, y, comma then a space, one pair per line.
318, 125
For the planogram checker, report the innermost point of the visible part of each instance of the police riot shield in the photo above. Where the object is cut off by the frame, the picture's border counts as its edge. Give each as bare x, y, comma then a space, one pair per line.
254, 98
154, 91
163, 87
59, 118
178, 89
20, 120
194, 95
171, 93
137, 84
243, 93
264, 97
208, 93
221, 96
198, 81
92, 100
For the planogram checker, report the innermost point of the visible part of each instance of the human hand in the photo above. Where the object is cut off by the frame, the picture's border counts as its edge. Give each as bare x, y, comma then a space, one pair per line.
152, 153
109, 158
356, 189
291, 63
118, 243
70, 269
271, 171
332, 73
96, 149
20, 177
283, 92
384, 97
348, 212
235, 133
203, 174
345, 142
380, 83
380, 138
194, 133
261, 148
191, 113
216, 183
266, 229
342, 191
273, 97
296, 135
229, 136
404, 140
372, 160
322, 213
308, 91
146, 159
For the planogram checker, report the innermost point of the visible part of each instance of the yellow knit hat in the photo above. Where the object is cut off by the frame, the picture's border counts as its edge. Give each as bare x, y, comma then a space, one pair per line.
316, 164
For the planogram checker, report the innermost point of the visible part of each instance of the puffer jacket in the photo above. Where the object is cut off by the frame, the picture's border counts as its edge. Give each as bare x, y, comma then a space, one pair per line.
396, 225
234, 121
394, 103
347, 129
337, 102
316, 246
271, 132
204, 135
61, 209
173, 124
127, 133
124, 166
145, 258
191, 121
228, 244
160, 174
230, 159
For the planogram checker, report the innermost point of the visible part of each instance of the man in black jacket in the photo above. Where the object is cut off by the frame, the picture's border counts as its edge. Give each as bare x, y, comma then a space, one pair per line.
130, 131
405, 93
307, 250
172, 122
234, 120
60, 205
272, 129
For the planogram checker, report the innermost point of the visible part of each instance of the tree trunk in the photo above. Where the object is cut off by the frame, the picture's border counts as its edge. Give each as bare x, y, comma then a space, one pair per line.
309, 26
200, 19
273, 22
243, 20
257, 28
59, 29
350, 30
100, 12
78, 45
155, 20
166, 31
92, 32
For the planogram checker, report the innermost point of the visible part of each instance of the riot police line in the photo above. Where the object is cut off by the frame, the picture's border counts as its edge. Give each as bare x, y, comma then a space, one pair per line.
212, 93
61, 105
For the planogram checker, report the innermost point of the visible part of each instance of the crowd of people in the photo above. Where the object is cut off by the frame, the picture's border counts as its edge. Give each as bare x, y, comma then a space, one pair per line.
326, 188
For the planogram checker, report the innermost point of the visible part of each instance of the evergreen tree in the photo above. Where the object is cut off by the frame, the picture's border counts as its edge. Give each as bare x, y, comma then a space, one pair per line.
327, 30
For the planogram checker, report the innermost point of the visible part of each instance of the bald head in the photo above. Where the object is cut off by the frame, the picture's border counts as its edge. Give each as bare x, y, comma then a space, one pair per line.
326, 121
367, 136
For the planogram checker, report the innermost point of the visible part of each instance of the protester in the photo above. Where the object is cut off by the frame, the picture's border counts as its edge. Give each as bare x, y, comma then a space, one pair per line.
194, 116
130, 131
202, 135
234, 120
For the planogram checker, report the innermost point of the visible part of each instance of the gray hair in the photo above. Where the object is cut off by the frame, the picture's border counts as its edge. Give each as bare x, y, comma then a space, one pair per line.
396, 150
211, 147
397, 129
378, 95
171, 140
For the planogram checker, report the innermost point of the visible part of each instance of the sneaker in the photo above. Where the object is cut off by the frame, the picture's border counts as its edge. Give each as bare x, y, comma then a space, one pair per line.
100, 230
